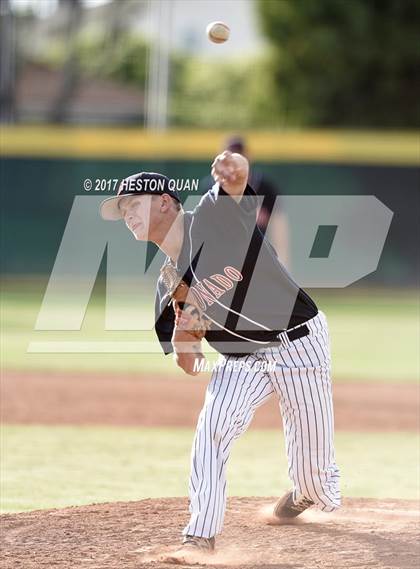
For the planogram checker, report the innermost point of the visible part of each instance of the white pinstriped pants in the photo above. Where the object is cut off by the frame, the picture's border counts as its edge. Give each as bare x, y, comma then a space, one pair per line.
301, 381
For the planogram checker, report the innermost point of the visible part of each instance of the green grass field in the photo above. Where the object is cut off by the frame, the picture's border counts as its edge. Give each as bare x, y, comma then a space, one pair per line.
375, 335
53, 467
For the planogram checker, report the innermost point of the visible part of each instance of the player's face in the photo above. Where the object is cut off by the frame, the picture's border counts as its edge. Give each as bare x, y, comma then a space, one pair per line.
136, 211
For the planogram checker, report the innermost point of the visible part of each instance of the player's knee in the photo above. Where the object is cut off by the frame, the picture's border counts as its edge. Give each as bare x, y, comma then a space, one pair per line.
218, 426
219, 423
217, 431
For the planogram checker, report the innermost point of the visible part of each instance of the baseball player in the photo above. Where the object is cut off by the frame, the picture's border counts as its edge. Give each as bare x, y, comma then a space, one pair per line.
222, 281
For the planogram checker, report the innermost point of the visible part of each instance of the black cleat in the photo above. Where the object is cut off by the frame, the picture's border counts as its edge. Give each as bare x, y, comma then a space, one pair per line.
286, 507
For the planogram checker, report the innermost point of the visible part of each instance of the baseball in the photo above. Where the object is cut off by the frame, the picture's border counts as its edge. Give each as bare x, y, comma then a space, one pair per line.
218, 32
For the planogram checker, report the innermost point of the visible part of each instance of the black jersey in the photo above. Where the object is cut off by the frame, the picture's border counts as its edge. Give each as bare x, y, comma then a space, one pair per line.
235, 276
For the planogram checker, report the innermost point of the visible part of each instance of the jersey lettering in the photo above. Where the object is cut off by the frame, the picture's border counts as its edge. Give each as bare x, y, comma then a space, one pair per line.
206, 292
233, 273
218, 292
223, 281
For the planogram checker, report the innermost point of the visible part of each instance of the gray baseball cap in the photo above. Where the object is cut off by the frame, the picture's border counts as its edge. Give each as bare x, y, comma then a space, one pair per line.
137, 185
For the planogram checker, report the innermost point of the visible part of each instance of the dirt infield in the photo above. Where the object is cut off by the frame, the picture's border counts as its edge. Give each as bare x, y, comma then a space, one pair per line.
52, 398
135, 535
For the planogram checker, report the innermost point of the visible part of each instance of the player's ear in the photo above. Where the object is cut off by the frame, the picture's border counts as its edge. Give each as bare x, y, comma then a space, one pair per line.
165, 203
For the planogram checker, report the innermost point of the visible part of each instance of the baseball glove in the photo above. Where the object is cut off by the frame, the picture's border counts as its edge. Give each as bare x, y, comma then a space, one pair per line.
191, 324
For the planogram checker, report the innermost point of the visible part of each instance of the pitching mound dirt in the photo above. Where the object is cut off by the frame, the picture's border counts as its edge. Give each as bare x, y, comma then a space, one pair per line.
135, 535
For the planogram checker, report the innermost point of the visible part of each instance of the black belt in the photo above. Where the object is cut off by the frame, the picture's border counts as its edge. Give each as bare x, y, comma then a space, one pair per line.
269, 336
261, 335
295, 334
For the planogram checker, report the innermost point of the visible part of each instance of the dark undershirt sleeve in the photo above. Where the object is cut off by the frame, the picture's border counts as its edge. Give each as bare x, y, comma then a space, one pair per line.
247, 205
164, 320
217, 209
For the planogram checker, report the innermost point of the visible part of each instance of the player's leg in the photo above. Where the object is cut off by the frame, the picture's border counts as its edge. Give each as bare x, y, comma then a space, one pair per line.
231, 399
302, 379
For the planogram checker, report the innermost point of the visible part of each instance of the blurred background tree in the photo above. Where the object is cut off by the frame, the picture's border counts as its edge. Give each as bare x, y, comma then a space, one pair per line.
346, 63
326, 63
222, 94
124, 60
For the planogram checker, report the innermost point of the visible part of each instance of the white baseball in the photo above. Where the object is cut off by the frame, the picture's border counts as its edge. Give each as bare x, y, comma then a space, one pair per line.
218, 32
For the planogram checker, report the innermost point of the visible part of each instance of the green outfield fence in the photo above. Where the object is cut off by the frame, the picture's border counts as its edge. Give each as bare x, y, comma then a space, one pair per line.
43, 168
